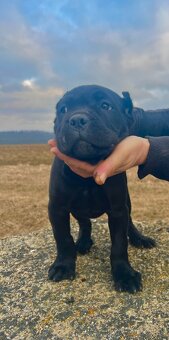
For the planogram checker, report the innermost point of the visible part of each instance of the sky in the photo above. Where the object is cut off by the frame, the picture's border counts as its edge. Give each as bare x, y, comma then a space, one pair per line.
50, 46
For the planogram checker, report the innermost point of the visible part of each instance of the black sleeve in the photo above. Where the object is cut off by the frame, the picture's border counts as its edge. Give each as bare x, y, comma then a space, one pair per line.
157, 162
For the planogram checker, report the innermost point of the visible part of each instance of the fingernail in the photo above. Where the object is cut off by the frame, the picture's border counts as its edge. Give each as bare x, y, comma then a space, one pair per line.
100, 179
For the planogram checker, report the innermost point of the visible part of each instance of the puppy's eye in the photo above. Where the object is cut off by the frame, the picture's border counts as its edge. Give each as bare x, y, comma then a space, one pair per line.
106, 106
63, 109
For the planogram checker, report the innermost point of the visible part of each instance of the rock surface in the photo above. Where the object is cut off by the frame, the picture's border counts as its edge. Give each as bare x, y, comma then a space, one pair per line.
88, 307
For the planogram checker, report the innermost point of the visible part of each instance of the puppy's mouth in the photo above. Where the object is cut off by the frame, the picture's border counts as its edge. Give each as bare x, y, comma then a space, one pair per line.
86, 151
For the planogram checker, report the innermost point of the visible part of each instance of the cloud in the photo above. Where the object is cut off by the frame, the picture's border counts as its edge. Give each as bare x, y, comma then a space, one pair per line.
21, 48
43, 100
48, 47
40, 115
29, 83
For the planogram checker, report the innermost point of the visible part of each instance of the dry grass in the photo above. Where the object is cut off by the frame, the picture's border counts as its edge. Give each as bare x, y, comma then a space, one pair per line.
25, 154
24, 177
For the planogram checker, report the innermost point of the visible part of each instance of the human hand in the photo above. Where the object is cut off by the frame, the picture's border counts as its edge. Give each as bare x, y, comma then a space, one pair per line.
81, 168
130, 152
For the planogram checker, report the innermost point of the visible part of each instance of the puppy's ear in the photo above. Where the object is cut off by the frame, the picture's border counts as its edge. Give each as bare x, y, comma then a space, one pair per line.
127, 104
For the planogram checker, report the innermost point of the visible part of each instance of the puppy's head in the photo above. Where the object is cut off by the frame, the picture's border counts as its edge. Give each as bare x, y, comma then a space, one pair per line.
90, 121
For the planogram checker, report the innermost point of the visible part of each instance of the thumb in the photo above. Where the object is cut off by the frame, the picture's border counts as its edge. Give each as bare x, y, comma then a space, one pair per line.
103, 170
100, 179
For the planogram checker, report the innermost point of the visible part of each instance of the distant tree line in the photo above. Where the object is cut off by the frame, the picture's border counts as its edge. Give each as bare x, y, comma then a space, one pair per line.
25, 137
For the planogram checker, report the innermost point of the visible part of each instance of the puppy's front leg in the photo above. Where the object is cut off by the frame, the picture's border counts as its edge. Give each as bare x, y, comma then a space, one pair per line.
125, 277
64, 265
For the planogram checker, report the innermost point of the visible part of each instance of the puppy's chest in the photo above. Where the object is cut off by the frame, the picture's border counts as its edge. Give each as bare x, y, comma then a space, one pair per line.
89, 202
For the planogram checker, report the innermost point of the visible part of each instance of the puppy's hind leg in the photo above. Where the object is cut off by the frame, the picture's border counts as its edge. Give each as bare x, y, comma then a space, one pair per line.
136, 238
84, 241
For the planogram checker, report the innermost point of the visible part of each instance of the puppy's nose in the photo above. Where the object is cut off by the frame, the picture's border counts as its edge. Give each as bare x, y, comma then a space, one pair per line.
79, 121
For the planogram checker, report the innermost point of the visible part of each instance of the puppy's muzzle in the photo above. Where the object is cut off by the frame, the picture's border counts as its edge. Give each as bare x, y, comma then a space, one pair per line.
79, 121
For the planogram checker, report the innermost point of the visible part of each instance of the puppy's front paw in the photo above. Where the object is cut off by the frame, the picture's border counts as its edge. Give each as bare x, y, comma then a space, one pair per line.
126, 279
62, 270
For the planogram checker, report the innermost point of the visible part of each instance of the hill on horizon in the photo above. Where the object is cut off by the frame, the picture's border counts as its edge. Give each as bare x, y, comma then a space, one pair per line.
25, 137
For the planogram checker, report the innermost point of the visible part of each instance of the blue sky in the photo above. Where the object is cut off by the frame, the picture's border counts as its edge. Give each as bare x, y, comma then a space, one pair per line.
48, 47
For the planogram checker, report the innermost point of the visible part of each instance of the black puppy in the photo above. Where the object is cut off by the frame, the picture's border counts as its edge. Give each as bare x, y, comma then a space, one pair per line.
90, 121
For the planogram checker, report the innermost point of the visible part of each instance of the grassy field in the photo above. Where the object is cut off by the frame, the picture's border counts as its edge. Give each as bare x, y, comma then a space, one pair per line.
24, 177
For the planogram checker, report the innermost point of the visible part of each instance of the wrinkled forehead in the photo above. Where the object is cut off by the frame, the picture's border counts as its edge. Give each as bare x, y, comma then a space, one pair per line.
89, 95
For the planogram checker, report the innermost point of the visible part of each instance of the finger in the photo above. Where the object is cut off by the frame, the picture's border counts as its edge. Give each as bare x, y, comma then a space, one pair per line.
81, 168
80, 172
68, 160
100, 179
104, 167
72, 162
52, 142
54, 150
103, 170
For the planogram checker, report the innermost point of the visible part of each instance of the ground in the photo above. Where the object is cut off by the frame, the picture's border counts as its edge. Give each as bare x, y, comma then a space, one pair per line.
88, 307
